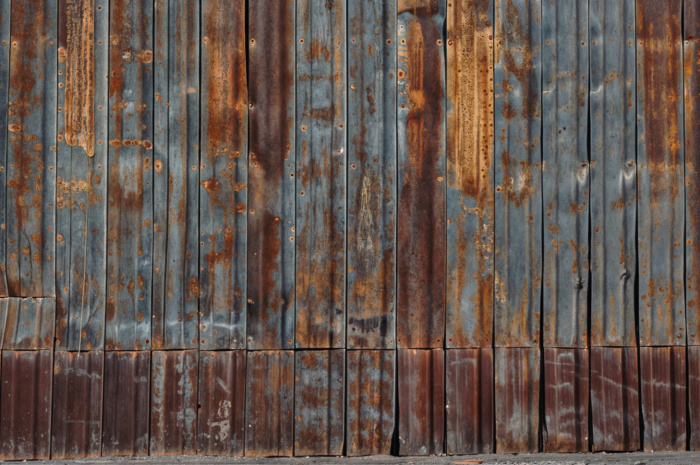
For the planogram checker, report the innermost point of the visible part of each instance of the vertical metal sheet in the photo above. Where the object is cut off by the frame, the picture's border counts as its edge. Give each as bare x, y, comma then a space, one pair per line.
660, 173
126, 403
76, 420
470, 406
319, 402
615, 399
176, 324
517, 392
663, 381
518, 211
370, 401
221, 409
28, 324
613, 172
5, 16
565, 167
421, 390
470, 187
25, 405
371, 174
321, 173
223, 176
269, 404
421, 185
566, 397
693, 360
271, 182
31, 157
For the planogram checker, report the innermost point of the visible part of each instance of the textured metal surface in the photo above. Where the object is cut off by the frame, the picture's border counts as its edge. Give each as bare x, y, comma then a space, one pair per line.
421, 186
321, 149
565, 168
269, 404
421, 391
223, 176
5, 16
31, 160
615, 399
28, 324
319, 402
693, 370
662, 373
174, 402
76, 419
469, 396
221, 408
517, 394
566, 396
660, 204
271, 182
370, 401
126, 397
25, 405
518, 210
613, 180
470, 183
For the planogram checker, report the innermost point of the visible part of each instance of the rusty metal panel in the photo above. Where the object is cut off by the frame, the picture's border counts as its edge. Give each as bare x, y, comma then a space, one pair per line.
613, 172
319, 402
28, 323
470, 187
663, 381
372, 174
269, 404
421, 391
615, 399
174, 402
660, 173
421, 220
517, 391
31, 157
321, 173
693, 360
76, 427
271, 183
221, 409
176, 320
25, 405
470, 407
5, 15
518, 252
126, 403
130, 238
370, 401
223, 176
565, 167
566, 397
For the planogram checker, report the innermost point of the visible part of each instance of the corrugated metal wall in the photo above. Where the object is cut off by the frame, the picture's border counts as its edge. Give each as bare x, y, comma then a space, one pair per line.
326, 227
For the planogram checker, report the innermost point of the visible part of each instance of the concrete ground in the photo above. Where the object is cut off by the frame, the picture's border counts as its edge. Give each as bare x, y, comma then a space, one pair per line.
637, 458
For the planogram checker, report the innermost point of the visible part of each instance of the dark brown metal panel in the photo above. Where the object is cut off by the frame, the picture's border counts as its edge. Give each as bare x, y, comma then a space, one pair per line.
174, 402
566, 397
694, 396
126, 403
421, 390
221, 411
271, 182
663, 381
223, 176
76, 428
319, 402
517, 391
615, 399
470, 408
421, 219
660, 205
470, 183
370, 401
25, 405
29, 323
269, 404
